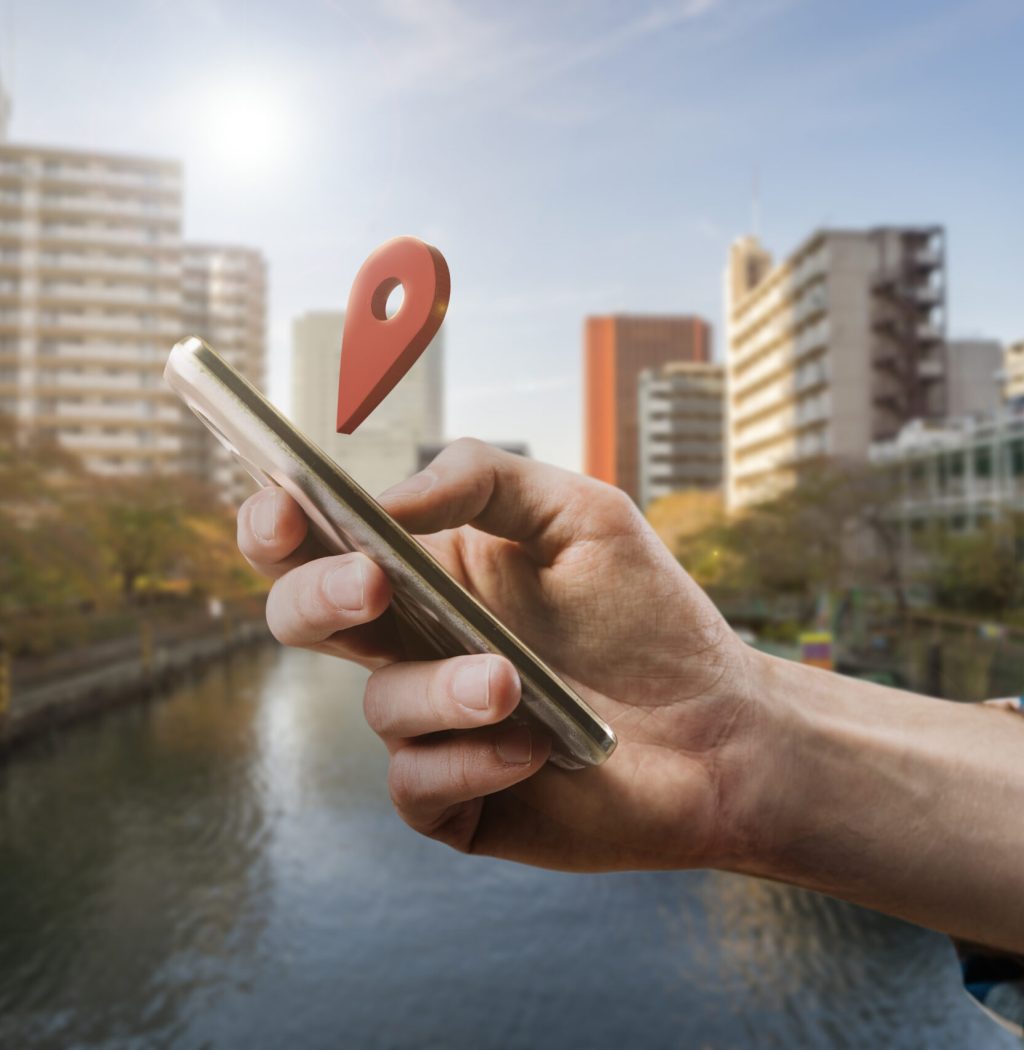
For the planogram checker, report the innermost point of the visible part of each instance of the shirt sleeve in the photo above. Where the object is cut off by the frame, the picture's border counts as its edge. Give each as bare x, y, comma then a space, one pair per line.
993, 979
996, 983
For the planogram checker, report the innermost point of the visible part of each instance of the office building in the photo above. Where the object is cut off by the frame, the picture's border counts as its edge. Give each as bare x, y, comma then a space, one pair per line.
90, 284
954, 475
1013, 372
385, 447
616, 350
681, 419
837, 346
225, 303
974, 369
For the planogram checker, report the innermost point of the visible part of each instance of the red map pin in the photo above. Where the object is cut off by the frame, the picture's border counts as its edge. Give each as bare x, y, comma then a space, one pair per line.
377, 350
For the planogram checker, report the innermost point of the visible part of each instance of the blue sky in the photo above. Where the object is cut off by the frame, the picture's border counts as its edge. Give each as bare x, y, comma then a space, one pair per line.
567, 158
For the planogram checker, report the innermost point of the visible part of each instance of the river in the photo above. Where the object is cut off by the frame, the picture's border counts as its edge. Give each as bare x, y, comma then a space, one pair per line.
220, 867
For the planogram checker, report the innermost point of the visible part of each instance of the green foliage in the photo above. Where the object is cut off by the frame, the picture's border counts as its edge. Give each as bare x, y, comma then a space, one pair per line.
72, 541
828, 531
979, 571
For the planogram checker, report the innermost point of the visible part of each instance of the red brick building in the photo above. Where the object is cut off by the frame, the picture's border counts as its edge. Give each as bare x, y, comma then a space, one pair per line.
616, 349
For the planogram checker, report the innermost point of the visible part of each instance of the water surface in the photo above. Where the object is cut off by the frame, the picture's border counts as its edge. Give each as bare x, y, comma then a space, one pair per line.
220, 867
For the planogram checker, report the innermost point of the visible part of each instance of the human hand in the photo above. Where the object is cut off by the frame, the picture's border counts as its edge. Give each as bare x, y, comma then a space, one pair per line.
569, 564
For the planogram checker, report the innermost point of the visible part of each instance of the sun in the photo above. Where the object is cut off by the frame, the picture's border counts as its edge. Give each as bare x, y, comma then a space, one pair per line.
247, 128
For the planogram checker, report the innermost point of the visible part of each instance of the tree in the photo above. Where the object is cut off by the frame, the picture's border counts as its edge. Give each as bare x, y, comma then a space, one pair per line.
832, 530
979, 571
137, 523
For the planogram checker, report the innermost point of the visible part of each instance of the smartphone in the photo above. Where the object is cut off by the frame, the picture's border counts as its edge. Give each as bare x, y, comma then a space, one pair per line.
346, 518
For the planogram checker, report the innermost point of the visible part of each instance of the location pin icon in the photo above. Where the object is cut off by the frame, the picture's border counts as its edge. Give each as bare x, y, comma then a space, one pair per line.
377, 350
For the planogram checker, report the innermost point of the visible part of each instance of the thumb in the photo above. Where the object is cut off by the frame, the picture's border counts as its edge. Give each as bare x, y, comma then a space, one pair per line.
473, 483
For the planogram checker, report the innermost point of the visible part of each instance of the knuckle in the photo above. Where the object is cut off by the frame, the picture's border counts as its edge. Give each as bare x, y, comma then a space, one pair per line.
402, 781
295, 609
438, 693
469, 448
276, 620
374, 708
616, 500
459, 772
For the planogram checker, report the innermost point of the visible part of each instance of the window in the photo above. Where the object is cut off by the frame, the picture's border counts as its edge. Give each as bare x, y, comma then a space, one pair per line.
983, 462
1017, 458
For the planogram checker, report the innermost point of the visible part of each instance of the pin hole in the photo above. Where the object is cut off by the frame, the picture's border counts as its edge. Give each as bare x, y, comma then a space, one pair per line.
387, 299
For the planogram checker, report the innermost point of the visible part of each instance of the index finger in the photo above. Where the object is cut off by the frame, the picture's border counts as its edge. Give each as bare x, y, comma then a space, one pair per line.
542, 507
273, 533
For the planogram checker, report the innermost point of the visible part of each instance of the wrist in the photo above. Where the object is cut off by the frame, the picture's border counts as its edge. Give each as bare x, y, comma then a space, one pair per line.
885, 798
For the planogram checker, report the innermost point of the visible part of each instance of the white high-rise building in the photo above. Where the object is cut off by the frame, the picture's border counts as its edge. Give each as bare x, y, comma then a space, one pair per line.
681, 425
90, 303
95, 288
225, 303
383, 449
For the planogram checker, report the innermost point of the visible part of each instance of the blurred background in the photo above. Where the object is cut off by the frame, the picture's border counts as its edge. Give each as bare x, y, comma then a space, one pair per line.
756, 262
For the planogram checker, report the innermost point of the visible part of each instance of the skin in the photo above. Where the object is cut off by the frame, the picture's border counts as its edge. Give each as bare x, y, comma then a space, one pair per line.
727, 758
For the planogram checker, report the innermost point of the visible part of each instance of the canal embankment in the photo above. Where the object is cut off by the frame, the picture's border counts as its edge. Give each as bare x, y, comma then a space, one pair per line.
101, 665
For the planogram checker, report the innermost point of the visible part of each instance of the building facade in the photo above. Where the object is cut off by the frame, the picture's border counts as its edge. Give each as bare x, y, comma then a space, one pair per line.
681, 419
91, 292
974, 369
1013, 372
385, 447
225, 303
94, 291
836, 347
954, 476
616, 349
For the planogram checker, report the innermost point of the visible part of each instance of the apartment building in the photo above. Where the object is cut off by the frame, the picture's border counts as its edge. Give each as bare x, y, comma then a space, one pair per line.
95, 288
1013, 372
385, 448
90, 302
837, 346
616, 349
225, 303
681, 418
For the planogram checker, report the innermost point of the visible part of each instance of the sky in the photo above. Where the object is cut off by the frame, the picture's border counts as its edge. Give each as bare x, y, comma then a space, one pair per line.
567, 158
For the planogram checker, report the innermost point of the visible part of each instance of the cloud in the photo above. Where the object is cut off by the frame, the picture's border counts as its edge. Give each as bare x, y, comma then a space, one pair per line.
449, 47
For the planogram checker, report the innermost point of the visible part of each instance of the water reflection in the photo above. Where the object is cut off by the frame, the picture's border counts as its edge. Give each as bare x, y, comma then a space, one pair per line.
221, 867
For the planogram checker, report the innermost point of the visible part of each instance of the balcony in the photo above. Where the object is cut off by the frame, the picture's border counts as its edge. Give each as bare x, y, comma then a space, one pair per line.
132, 235
931, 369
136, 295
926, 258
153, 327
125, 207
154, 267
163, 181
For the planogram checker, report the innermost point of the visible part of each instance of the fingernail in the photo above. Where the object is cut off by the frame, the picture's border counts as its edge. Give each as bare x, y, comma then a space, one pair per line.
414, 486
471, 686
264, 516
515, 746
345, 586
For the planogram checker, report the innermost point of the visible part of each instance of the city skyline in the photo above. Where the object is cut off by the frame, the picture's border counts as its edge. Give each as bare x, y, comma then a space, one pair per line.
566, 162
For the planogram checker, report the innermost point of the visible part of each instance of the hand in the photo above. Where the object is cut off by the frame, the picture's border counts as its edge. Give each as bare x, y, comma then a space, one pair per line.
569, 564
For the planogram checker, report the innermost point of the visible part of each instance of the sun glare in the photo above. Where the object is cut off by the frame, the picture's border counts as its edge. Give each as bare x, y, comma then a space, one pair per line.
247, 129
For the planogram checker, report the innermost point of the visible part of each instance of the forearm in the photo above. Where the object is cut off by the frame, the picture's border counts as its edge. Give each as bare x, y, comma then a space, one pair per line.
902, 803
